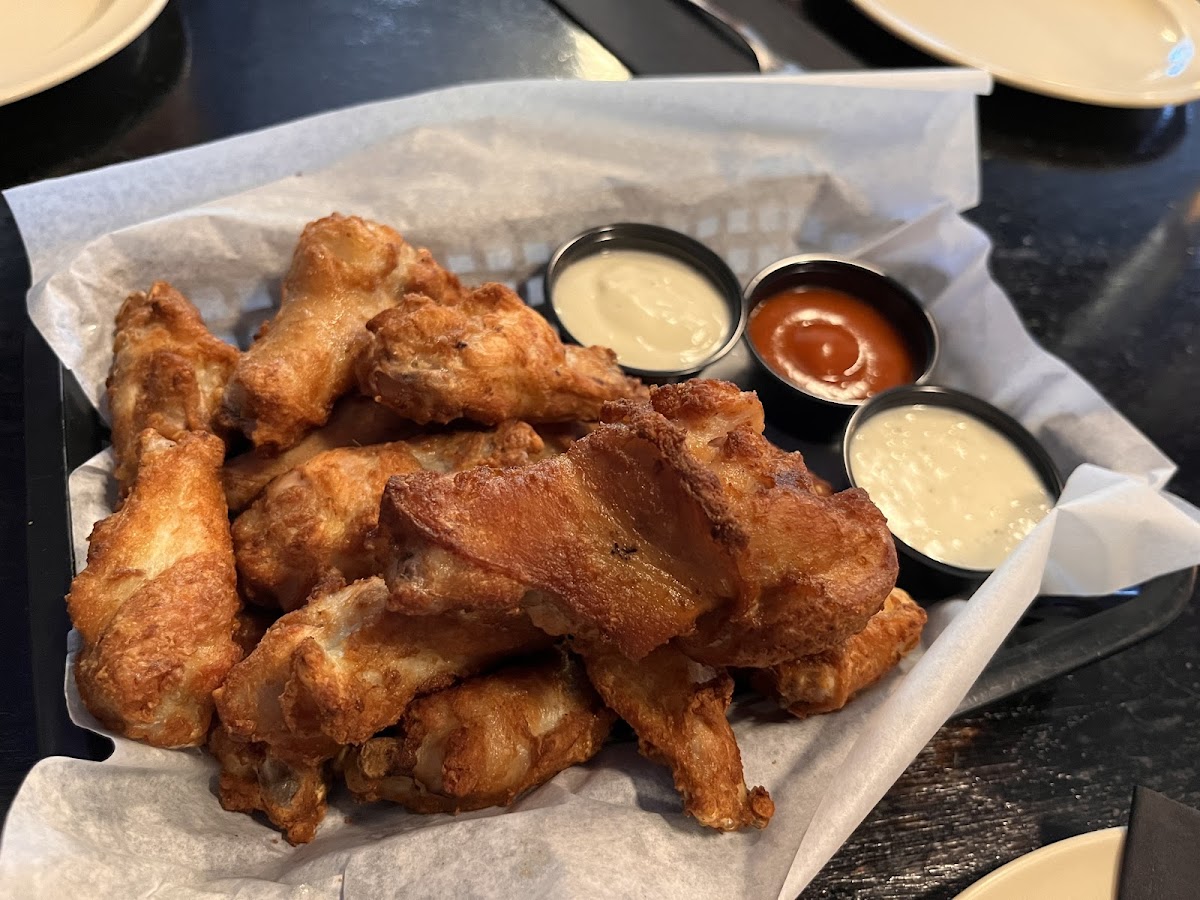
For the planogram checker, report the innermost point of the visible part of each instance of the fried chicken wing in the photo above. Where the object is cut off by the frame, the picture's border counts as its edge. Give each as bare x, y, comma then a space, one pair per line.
484, 742
605, 540
673, 519
676, 708
343, 668
829, 680
355, 422
345, 271
484, 355
156, 605
816, 566
316, 519
426, 578
168, 373
251, 780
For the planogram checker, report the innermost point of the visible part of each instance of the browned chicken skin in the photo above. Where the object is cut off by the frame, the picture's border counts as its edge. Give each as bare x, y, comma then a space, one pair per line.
484, 742
484, 355
345, 271
355, 422
168, 373
291, 796
343, 668
816, 565
156, 605
316, 519
674, 519
677, 709
829, 680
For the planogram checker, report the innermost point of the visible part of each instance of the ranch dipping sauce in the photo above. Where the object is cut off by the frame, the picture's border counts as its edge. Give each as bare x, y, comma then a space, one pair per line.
657, 312
951, 486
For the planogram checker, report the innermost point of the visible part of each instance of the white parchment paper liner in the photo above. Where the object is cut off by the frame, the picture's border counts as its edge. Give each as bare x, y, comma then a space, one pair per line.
491, 177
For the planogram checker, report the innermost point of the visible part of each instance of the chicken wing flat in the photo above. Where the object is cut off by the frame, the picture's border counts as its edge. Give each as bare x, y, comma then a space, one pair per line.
484, 355
251, 780
316, 519
816, 565
345, 270
484, 742
168, 373
343, 668
156, 605
829, 680
355, 422
605, 541
677, 709
674, 519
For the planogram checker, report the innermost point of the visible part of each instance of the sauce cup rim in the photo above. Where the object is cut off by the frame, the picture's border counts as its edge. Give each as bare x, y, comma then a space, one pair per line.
669, 242
990, 414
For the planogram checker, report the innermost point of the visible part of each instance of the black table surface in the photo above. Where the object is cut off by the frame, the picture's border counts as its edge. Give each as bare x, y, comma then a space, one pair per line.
1093, 214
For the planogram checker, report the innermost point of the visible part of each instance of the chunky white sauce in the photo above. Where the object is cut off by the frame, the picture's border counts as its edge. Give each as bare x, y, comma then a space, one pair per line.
950, 485
657, 312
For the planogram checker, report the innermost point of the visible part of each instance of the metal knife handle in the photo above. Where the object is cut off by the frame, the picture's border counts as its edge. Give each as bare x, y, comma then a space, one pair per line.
767, 59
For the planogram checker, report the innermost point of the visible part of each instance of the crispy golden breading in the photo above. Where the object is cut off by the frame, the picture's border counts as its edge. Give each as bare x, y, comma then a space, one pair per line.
168, 373
345, 270
292, 796
355, 422
316, 519
343, 667
157, 602
484, 355
484, 742
829, 680
677, 709
675, 518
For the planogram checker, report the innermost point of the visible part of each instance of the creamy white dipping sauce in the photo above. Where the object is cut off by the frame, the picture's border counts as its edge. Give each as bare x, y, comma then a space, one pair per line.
951, 486
657, 312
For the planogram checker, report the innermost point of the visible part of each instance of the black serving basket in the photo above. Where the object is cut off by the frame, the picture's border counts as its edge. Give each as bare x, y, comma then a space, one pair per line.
62, 431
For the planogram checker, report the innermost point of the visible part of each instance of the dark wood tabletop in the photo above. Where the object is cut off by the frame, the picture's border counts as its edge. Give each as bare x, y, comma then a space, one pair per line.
1093, 213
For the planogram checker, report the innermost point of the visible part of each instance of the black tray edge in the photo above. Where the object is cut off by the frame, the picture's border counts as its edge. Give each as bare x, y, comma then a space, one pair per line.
49, 551
1101, 634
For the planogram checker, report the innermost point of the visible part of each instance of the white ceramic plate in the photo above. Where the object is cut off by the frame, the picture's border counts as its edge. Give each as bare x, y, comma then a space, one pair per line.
45, 42
1107, 52
1085, 867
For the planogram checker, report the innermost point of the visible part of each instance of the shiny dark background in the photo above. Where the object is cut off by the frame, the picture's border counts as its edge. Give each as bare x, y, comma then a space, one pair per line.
1094, 216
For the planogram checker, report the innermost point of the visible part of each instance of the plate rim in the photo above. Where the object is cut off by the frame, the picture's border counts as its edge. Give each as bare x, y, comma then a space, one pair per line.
881, 13
135, 17
1114, 835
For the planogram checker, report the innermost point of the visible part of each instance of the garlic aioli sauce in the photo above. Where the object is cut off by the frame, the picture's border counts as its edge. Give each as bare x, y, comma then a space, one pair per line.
951, 486
657, 312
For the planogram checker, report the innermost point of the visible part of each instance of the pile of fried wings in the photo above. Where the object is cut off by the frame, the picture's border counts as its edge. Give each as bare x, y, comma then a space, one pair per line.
412, 541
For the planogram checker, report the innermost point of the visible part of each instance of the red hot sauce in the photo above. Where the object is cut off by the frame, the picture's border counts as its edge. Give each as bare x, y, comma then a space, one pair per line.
830, 344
